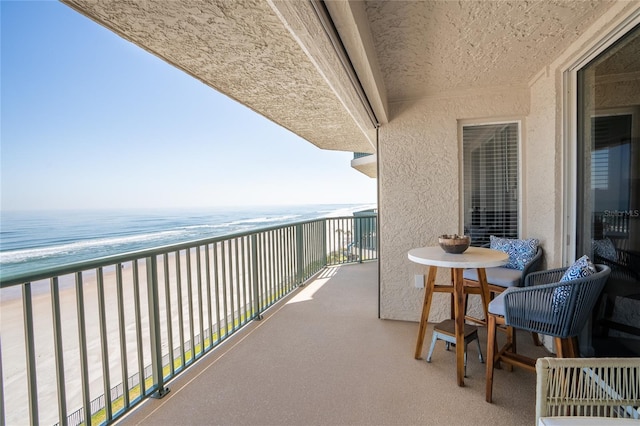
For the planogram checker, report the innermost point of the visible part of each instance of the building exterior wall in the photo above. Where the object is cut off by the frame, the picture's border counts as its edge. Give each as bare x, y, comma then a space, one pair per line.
419, 154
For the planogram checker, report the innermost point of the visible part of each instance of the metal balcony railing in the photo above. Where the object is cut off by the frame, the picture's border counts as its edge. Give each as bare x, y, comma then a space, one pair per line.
138, 319
360, 154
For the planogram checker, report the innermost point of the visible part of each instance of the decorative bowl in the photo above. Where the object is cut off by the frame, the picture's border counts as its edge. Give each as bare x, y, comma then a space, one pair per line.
454, 244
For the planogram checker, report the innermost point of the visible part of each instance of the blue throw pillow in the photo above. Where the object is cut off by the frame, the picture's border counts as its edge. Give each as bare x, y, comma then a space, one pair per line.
520, 251
582, 268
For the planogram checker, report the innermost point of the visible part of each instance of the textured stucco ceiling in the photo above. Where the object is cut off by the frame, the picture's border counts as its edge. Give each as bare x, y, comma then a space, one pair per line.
428, 48
242, 49
273, 56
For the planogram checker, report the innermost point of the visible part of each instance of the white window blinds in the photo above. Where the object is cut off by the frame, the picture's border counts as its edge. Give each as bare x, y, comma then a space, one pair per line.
490, 175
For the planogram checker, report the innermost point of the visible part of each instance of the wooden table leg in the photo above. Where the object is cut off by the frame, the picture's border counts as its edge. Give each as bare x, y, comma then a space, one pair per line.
459, 314
484, 292
428, 293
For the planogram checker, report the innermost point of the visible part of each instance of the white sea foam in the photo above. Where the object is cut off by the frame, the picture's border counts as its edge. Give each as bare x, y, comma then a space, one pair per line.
348, 211
264, 220
15, 256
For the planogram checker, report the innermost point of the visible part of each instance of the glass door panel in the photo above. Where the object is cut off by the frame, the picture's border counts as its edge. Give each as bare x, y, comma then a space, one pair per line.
608, 222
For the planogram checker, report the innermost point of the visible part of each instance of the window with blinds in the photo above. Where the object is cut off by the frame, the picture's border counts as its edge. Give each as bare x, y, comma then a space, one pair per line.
490, 176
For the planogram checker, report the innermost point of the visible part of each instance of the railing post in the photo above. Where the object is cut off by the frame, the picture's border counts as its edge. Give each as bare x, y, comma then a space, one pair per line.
104, 345
254, 277
32, 383
154, 328
59, 357
82, 344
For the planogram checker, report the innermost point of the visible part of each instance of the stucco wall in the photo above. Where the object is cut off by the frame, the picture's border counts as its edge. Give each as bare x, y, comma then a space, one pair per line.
542, 171
419, 188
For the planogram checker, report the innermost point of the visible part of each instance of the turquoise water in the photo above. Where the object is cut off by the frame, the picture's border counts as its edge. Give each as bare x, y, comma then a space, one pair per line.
34, 240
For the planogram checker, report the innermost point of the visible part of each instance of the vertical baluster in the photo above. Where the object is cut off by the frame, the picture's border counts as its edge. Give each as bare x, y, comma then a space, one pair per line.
261, 271
233, 259
154, 327
223, 276
341, 242
336, 240
276, 264
272, 267
236, 281
216, 288
243, 255
180, 310
264, 258
322, 231
30, 349
207, 265
138, 314
200, 299
299, 259
102, 319
255, 275
280, 258
313, 248
288, 256
167, 297
59, 354
82, 345
190, 301
123, 339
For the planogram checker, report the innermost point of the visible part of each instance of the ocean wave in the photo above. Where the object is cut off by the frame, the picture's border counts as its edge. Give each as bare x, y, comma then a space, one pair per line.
263, 220
24, 255
348, 211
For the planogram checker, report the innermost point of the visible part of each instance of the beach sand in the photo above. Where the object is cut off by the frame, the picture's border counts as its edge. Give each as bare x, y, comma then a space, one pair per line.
12, 326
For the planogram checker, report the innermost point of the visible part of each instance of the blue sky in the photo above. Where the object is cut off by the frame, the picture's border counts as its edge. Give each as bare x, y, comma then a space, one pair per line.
90, 120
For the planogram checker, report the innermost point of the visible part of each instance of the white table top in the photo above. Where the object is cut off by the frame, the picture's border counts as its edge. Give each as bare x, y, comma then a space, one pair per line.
473, 257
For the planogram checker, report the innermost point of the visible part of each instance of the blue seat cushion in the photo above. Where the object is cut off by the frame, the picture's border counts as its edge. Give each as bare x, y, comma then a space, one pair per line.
503, 277
496, 306
535, 317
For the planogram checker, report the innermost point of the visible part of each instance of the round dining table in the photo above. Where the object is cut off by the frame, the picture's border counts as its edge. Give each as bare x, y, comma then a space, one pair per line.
435, 257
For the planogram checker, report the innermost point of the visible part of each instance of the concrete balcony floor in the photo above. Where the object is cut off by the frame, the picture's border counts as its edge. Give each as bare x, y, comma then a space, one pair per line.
322, 357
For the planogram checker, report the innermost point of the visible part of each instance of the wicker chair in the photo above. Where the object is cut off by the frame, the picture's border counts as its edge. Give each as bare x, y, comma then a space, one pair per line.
591, 390
546, 306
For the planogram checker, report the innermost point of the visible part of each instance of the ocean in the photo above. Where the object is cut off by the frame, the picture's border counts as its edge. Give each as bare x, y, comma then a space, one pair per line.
33, 240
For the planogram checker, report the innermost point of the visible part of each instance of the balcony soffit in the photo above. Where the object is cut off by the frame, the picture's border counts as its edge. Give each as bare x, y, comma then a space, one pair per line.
243, 50
429, 48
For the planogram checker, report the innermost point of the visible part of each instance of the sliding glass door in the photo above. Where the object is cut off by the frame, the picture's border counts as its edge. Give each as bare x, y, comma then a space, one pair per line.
608, 193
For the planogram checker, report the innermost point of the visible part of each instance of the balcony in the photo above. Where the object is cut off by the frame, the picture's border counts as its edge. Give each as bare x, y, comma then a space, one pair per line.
365, 163
274, 326
321, 356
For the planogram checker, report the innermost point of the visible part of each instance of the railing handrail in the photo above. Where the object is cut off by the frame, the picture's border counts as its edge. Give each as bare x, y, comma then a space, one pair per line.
70, 268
